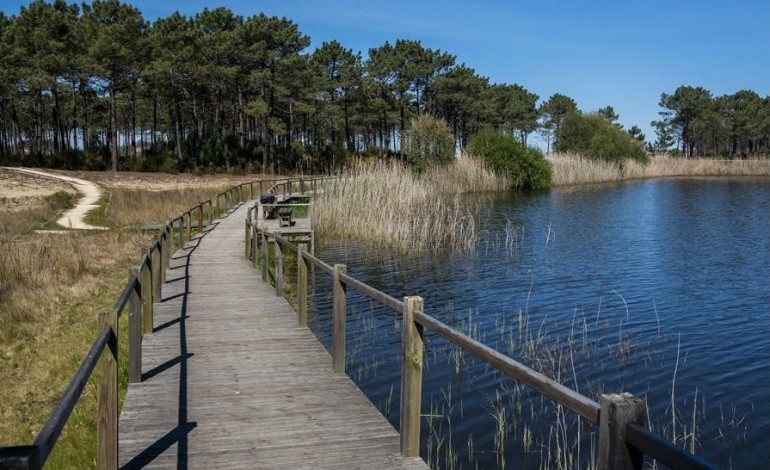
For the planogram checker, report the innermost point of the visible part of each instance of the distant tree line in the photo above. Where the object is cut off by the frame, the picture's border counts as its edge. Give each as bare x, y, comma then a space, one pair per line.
97, 86
698, 123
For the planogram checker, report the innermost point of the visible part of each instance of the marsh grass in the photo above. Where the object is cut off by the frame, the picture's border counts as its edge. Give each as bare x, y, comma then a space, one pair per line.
122, 206
52, 288
388, 205
572, 169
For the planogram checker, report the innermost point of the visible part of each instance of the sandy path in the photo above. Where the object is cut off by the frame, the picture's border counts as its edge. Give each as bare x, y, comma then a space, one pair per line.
75, 217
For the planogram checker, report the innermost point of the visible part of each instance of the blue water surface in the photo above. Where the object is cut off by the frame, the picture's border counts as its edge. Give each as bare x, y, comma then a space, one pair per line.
660, 288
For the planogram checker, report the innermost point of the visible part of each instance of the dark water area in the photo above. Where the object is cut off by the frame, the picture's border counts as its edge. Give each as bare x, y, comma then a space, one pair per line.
657, 288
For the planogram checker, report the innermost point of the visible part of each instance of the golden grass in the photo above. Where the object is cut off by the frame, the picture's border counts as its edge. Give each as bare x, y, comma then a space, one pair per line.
572, 169
52, 287
386, 204
138, 206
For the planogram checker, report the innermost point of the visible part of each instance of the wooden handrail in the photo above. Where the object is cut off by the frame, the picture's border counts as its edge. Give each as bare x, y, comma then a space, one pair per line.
35, 455
576, 402
663, 450
373, 293
125, 295
152, 265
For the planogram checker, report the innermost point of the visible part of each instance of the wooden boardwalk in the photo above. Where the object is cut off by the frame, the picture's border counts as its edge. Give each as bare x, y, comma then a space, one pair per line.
230, 381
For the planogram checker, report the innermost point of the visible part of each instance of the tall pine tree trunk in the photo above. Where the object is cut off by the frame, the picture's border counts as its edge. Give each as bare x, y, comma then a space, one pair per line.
113, 128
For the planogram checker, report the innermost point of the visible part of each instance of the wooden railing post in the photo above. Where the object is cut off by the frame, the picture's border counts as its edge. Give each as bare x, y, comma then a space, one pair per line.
617, 411
247, 244
188, 231
147, 294
135, 329
411, 378
167, 250
302, 285
157, 277
254, 246
278, 252
211, 211
338, 320
107, 400
200, 218
264, 256
181, 230
251, 190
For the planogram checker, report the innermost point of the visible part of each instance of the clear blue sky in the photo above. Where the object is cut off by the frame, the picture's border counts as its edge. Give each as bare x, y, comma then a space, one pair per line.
599, 52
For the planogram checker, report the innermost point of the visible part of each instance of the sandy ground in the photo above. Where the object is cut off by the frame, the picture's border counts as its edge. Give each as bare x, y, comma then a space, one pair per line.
19, 191
156, 181
90, 193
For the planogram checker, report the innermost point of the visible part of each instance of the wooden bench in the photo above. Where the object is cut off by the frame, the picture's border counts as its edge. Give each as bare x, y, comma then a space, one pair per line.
284, 215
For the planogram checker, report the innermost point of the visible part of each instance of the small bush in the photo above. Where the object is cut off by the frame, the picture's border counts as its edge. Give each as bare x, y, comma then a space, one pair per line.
524, 166
60, 200
428, 141
594, 137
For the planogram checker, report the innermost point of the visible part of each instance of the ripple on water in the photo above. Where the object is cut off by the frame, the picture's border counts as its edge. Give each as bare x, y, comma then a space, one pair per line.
618, 280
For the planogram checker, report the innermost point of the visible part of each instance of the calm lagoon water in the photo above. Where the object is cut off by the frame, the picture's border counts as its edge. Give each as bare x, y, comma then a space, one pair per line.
650, 287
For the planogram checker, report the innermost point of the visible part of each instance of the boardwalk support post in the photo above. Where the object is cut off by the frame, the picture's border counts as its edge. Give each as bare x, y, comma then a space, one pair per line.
167, 249
302, 285
147, 294
107, 400
156, 254
617, 411
411, 378
278, 265
264, 256
188, 227
254, 246
338, 320
247, 245
135, 328
181, 230
200, 218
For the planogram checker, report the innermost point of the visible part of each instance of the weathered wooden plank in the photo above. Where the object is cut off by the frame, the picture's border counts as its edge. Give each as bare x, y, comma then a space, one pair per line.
231, 381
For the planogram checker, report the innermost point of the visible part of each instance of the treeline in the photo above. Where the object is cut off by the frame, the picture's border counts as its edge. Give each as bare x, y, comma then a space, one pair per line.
97, 86
698, 123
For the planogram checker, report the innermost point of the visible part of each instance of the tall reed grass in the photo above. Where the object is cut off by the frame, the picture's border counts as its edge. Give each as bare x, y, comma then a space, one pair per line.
138, 206
387, 204
571, 169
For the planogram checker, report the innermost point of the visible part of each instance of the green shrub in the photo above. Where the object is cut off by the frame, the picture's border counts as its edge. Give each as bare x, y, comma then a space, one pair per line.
60, 200
593, 136
524, 166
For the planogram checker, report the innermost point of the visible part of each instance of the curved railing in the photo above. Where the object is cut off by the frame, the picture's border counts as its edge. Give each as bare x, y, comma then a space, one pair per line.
623, 440
141, 291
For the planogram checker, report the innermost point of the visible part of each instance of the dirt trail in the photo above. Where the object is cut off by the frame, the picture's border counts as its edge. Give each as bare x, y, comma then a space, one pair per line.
74, 218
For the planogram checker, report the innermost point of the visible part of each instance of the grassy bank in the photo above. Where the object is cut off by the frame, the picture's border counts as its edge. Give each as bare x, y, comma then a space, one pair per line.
572, 169
388, 205
52, 287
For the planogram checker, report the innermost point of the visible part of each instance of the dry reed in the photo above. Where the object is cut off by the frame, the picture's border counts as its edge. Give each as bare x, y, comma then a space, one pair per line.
138, 206
384, 203
572, 169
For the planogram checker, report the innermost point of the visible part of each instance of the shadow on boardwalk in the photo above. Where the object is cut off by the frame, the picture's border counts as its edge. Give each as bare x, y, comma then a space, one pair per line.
230, 381
177, 436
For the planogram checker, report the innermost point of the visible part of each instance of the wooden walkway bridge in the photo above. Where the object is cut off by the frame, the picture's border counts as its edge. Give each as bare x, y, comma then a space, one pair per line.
224, 374
231, 381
